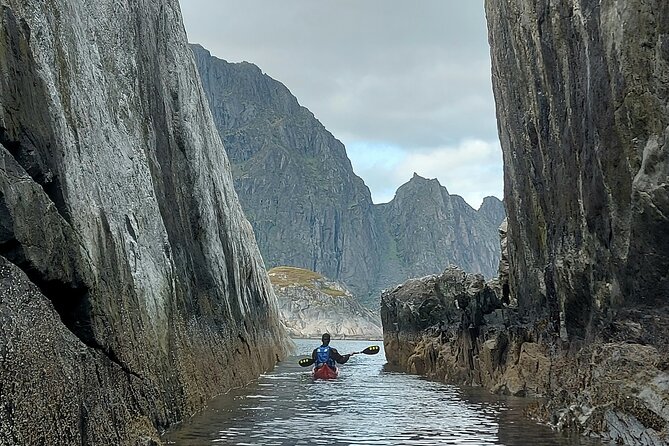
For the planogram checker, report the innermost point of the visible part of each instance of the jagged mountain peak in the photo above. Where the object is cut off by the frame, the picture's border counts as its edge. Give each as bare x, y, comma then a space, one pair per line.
309, 209
419, 185
259, 96
493, 209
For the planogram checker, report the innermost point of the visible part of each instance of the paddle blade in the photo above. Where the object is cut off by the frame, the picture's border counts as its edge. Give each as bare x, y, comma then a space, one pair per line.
371, 350
305, 362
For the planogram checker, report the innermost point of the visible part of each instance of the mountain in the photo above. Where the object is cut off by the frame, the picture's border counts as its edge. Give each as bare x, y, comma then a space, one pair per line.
493, 210
309, 209
131, 286
294, 180
430, 230
310, 305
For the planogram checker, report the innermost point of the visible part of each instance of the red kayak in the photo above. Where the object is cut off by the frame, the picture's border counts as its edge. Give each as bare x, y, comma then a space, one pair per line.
325, 372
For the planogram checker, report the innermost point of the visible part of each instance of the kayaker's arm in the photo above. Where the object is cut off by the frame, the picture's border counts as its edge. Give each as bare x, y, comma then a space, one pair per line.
334, 354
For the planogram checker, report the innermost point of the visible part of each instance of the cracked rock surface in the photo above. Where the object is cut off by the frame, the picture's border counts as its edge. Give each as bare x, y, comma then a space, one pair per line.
148, 292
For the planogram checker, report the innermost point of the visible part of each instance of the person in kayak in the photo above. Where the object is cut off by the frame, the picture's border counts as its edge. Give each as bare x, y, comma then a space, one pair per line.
328, 355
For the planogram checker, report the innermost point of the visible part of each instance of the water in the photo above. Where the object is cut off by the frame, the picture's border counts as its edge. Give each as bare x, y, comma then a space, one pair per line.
366, 405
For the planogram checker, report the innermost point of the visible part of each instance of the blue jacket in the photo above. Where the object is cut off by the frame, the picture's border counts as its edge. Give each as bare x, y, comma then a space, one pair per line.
328, 355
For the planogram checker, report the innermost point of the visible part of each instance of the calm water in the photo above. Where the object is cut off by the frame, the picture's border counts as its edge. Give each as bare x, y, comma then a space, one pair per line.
365, 406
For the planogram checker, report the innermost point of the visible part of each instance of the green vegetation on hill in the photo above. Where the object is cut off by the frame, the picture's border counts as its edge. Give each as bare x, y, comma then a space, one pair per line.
285, 276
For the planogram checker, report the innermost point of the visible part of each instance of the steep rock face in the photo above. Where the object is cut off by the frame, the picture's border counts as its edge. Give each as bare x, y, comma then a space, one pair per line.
582, 100
293, 177
582, 93
310, 305
310, 210
116, 200
430, 229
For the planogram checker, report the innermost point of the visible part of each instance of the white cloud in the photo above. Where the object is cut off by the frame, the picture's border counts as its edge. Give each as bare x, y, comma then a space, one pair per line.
414, 75
471, 169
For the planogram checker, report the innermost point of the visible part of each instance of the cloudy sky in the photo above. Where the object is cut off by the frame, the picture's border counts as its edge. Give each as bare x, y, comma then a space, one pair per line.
404, 85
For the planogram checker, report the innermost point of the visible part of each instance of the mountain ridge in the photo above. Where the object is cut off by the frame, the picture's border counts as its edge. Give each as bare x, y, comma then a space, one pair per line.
307, 206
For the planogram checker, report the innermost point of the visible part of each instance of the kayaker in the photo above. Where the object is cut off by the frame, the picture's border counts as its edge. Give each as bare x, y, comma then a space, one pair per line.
328, 355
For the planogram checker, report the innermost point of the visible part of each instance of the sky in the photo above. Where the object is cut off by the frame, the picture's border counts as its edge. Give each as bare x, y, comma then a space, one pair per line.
404, 85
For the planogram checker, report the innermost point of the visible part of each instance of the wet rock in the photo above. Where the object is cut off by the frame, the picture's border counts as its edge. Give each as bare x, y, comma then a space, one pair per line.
148, 292
454, 328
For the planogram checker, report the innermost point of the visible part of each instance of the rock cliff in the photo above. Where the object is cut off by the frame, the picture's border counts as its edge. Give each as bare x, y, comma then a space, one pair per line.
430, 229
132, 287
309, 209
310, 305
579, 313
582, 102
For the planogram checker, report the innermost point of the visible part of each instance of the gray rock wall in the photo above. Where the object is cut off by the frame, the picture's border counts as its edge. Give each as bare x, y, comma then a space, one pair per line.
116, 201
582, 101
582, 95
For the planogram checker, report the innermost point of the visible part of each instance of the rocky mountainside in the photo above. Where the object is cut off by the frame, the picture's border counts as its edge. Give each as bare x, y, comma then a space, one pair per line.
493, 210
293, 177
310, 305
430, 229
309, 209
132, 289
581, 318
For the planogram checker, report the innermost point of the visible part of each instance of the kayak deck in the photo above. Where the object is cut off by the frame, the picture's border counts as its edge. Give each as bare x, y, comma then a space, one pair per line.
325, 372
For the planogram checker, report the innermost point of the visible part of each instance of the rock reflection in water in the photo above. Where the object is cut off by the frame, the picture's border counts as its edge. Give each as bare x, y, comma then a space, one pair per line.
367, 405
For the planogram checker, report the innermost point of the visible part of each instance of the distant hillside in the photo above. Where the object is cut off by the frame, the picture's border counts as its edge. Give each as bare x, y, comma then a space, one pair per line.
310, 305
309, 209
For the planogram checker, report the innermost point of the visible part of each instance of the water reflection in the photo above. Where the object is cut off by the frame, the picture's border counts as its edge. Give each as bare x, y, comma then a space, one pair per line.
367, 405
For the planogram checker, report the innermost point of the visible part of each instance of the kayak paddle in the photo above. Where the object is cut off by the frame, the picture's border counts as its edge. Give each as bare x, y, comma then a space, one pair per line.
306, 362
371, 350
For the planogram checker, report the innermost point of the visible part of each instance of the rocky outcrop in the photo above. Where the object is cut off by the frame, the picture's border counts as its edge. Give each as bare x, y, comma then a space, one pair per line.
310, 305
132, 287
455, 328
583, 108
309, 209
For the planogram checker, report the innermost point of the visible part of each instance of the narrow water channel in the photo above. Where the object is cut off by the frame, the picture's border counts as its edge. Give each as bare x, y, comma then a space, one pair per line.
366, 405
